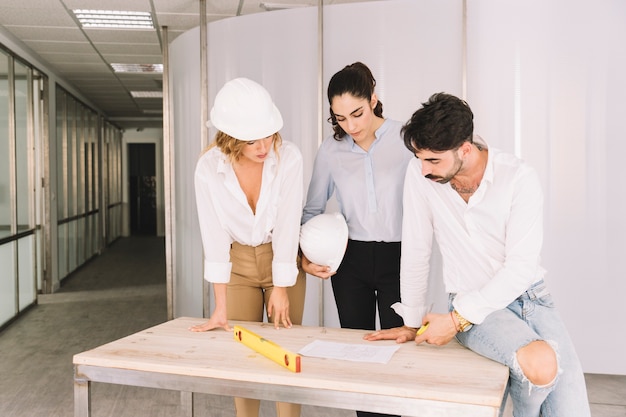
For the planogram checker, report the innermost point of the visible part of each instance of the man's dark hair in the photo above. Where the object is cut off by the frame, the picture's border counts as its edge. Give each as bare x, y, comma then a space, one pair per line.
442, 124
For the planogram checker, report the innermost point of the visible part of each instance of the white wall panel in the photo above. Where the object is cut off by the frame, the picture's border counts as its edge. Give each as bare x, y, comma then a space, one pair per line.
8, 289
279, 51
545, 80
414, 49
185, 107
26, 272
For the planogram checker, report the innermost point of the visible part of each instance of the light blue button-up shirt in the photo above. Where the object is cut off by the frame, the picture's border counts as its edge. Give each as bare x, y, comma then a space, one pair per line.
368, 185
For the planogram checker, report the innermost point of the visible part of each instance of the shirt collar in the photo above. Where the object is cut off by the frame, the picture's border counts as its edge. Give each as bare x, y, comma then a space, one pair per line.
378, 134
488, 174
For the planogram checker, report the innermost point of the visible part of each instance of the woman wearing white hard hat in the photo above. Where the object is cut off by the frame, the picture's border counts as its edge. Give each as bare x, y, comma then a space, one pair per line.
249, 197
363, 164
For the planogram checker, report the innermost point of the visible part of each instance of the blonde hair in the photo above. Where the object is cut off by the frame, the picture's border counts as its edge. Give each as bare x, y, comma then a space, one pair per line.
233, 147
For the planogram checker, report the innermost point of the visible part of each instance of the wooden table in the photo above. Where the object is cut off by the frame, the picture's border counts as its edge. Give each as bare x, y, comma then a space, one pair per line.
419, 380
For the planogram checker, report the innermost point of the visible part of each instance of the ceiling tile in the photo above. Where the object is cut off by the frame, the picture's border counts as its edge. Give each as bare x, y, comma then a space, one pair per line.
26, 17
56, 46
122, 36
129, 49
64, 34
33, 4
63, 57
179, 22
83, 67
134, 5
134, 59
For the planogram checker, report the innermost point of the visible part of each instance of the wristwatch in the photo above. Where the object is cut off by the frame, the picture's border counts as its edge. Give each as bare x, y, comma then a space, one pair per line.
464, 324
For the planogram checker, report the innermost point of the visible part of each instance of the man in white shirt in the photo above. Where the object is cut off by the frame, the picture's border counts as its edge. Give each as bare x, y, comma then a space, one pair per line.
485, 208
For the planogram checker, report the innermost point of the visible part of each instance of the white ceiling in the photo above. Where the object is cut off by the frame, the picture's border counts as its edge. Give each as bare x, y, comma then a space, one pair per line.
83, 56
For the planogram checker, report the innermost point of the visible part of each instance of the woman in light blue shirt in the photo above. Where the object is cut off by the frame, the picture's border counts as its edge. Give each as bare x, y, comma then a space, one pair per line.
363, 164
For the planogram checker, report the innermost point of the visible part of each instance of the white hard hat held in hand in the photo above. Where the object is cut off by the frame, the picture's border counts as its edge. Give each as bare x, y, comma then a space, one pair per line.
323, 239
244, 110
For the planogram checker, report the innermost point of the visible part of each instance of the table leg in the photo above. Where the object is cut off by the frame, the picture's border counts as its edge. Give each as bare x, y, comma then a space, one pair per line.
82, 398
186, 403
503, 406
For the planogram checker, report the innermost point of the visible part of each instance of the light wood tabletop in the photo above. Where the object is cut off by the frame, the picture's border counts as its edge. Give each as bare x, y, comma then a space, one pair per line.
419, 380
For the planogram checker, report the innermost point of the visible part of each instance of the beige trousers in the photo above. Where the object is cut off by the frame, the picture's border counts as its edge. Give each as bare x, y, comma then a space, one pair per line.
248, 292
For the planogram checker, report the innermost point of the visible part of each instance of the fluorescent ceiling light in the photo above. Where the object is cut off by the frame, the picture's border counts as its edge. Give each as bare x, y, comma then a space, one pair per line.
138, 68
113, 19
147, 94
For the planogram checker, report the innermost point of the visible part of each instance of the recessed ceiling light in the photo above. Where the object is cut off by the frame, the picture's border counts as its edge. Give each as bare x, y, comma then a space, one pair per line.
138, 68
113, 19
147, 94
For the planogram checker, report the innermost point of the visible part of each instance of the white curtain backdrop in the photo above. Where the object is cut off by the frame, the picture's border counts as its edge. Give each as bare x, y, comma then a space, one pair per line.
184, 80
545, 81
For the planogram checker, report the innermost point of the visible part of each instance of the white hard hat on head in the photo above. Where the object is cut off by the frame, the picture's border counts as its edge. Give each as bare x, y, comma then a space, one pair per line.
244, 110
323, 239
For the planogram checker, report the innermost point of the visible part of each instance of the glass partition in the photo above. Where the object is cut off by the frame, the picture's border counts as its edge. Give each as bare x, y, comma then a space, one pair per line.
26, 267
24, 189
5, 149
22, 146
8, 306
61, 180
81, 170
74, 182
18, 261
114, 182
70, 185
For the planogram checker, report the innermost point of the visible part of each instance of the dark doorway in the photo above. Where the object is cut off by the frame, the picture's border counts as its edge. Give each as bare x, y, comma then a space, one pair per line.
142, 187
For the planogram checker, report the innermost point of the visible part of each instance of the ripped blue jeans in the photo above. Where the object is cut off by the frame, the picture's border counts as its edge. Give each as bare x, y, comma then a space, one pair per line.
532, 317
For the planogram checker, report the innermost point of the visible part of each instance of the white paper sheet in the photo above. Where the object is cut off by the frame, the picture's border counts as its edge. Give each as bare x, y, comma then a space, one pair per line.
349, 352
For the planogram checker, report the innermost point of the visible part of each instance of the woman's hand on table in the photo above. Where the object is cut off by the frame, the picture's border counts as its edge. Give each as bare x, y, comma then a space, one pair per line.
278, 307
217, 320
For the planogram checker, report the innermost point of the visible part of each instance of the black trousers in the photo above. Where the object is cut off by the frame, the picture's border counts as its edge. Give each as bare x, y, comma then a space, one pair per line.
368, 278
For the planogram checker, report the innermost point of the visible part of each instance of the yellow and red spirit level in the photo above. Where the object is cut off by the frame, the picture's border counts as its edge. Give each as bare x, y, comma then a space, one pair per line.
267, 348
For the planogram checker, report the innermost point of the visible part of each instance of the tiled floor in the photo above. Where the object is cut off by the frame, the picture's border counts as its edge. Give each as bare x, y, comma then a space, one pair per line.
117, 294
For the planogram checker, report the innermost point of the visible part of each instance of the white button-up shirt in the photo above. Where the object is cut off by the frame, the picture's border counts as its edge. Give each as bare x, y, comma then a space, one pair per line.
225, 216
490, 245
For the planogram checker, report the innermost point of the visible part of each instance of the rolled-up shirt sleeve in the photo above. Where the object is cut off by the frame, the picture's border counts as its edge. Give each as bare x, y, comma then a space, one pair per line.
216, 241
417, 239
286, 233
320, 189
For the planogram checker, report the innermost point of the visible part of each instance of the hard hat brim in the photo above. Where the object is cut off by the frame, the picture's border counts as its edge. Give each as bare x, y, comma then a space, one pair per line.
324, 238
251, 133
244, 110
